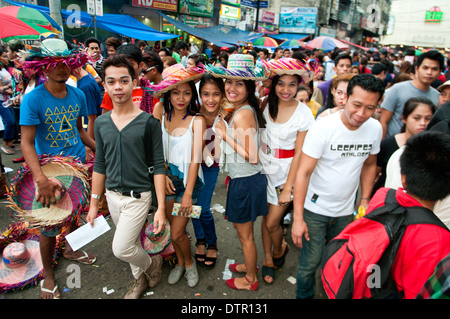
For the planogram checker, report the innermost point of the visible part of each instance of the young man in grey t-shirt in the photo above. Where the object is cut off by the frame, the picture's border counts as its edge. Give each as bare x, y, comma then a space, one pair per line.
428, 68
121, 164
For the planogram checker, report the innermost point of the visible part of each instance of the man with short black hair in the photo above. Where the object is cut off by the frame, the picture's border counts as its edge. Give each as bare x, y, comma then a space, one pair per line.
338, 155
278, 54
183, 50
342, 65
425, 180
152, 69
427, 69
124, 152
134, 55
380, 71
93, 49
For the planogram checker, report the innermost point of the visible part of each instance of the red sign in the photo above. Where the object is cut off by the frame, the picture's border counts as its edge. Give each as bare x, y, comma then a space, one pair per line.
267, 16
166, 5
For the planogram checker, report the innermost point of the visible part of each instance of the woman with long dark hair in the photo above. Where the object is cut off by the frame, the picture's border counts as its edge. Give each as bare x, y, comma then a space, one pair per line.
287, 122
417, 113
212, 94
182, 137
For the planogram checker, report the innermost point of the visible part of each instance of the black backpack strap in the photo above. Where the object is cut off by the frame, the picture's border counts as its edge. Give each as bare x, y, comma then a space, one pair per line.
391, 206
413, 215
422, 215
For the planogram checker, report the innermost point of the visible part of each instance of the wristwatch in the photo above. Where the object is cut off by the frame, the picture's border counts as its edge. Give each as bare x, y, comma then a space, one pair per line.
95, 196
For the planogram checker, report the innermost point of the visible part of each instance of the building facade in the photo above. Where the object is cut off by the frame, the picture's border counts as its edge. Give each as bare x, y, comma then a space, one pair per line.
424, 24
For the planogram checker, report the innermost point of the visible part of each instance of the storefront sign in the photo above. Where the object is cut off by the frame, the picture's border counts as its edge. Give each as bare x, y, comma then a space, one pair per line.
166, 5
267, 16
254, 3
434, 15
298, 20
230, 12
195, 22
203, 8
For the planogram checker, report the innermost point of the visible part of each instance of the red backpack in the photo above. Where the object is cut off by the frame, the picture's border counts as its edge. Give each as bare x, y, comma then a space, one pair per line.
357, 263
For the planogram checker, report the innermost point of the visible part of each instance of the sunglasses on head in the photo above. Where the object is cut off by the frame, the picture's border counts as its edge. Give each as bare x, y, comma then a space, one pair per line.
148, 70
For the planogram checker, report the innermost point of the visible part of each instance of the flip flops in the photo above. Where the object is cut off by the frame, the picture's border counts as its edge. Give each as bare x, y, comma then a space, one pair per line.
85, 256
48, 290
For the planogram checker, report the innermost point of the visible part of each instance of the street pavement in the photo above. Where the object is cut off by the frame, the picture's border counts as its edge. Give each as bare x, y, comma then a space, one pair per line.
109, 278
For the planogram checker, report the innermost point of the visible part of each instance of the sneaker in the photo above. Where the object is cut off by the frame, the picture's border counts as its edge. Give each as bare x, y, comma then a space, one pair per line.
191, 275
176, 274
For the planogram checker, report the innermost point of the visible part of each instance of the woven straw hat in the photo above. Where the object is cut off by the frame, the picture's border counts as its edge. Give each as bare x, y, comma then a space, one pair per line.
239, 67
21, 265
70, 173
48, 54
291, 66
172, 77
155, 244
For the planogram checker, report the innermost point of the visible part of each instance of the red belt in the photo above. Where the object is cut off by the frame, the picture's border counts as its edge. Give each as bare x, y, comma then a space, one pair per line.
278, 153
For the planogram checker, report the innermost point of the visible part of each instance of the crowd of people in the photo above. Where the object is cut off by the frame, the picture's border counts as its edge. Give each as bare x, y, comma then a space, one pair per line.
316, 134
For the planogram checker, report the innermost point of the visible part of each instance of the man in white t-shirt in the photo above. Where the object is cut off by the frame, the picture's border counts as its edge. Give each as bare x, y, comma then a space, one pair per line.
338, 155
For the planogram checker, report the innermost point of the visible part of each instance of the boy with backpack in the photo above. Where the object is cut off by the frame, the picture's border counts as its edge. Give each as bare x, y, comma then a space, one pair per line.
394, 249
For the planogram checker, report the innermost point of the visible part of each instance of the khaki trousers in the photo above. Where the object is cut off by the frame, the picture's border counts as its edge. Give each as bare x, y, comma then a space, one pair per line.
129, 215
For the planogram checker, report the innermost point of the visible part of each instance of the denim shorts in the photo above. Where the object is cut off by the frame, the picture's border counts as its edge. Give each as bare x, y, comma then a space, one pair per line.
180, 189
52, 231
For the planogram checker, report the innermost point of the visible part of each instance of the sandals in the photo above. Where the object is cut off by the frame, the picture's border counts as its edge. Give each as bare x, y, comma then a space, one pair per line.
279, 262
81, 259
203, 259
268, 271
210, 262
48, 290
200, 258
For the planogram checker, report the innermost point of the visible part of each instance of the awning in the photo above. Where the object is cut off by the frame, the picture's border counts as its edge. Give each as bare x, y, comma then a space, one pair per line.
219, 35
289, 36
117, 23
354, 45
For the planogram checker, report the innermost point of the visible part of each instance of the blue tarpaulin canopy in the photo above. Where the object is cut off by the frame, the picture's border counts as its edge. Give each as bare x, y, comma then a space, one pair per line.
219, 35
289, 36
117, 23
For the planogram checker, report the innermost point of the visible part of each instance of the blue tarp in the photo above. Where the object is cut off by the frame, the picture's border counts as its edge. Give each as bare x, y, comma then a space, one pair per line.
117, 23
219, 35
288, 36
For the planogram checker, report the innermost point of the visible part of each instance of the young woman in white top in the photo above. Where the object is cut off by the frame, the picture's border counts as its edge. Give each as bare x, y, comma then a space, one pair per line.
182, 138
287, 121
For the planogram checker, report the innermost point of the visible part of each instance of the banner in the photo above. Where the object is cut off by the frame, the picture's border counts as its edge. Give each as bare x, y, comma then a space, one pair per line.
254, 3
203, 8
298, 20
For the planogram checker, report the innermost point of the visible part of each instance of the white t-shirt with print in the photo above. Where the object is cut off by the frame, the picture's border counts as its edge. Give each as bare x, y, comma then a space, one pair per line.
341, 154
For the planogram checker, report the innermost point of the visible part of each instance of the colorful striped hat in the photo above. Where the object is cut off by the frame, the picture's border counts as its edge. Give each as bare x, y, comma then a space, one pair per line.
239, 67
155, 244
21, 265
292, 66
68, 172
173, 76
45, 56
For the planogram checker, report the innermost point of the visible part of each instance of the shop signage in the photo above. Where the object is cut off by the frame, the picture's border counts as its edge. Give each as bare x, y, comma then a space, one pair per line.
166, 5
